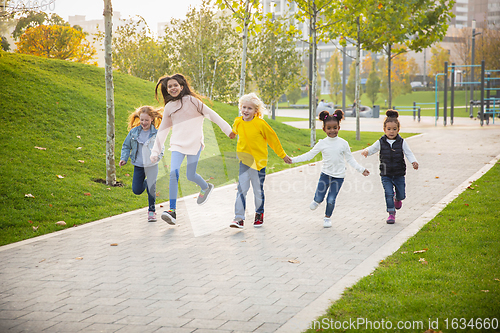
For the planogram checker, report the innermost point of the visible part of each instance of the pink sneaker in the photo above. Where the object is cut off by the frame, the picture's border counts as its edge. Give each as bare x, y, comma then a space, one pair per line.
392, 218
151, 217
398, 204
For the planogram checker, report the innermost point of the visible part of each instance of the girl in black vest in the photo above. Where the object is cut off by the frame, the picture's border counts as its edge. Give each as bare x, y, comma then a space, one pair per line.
392, 149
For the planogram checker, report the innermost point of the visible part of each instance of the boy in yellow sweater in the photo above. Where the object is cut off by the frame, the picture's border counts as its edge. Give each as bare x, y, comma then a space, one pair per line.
254, 134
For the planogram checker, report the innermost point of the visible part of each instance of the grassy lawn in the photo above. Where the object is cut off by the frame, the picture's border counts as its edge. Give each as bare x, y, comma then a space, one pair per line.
59, 106
454, 275
461, 98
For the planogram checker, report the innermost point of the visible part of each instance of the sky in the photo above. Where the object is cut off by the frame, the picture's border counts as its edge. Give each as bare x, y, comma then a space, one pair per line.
153, 11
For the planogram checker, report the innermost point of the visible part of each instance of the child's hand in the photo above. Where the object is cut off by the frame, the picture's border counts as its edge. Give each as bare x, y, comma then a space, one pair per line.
364, 153
415, 165
232, 135
287, 159
154, 159
122, 163
366, 172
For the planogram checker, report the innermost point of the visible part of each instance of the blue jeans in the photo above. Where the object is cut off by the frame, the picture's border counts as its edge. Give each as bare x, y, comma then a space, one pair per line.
326, 182
393, 184
145, 179
246, 177
175, 165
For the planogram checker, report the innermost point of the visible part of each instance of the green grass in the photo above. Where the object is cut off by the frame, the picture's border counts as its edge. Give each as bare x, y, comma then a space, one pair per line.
60, 106
461, 98
456, 277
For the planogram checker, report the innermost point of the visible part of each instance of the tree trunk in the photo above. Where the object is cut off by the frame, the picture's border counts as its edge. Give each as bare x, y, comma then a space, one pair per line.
110, 104
314, 76
244, 56
357, 85
389, 83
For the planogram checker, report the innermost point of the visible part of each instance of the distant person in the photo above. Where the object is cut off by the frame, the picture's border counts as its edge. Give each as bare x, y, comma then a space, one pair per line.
137, 146
254, 134
336, 152
184, 113
392, 149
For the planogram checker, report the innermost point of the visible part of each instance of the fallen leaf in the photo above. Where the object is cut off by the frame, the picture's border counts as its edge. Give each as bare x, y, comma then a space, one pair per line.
50, 205
79, 148
79, 258
35, 228
127, 175
59, 176
437, 177
61, 223
40, 148
79, 137
466, 204
497, 280
29, 195
30, 221
404, 252
81, 161
42, 260
486, 291
421, 259
87, 194
380, 5
161, 206
293, 261
421, 251
114, 244
109, 188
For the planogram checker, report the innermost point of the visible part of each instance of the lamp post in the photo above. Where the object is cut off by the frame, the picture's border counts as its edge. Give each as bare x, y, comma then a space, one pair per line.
473, 46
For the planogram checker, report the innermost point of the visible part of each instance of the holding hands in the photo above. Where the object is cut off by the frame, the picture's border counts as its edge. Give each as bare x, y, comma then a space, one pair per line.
287, 159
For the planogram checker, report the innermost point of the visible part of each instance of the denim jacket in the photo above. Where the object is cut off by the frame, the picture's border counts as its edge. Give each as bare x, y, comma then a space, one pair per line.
130, 145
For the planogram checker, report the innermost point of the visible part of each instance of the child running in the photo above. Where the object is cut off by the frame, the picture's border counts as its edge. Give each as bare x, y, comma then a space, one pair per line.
137, 146
392, 147
254, 134
184, 113
335, 153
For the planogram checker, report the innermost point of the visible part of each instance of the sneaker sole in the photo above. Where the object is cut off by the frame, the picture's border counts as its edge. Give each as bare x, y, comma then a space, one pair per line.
235, 226
257, 225
168, 218
391, 221
208, 195
152, 220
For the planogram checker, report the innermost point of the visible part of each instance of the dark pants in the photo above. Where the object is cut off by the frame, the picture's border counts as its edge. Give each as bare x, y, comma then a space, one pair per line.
332, 184
393, 184
145, 179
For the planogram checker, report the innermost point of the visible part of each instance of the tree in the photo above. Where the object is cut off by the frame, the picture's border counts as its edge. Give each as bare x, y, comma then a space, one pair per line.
275, 63
55, 41
110, 102
294, 95
332, 73
373, 84
351, 83
205, 48
317, 15
400, 78
137, 52
5, 44
246, 13
439, 56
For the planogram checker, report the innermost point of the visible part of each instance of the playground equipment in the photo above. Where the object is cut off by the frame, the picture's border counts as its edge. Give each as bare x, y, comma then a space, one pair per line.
415, 109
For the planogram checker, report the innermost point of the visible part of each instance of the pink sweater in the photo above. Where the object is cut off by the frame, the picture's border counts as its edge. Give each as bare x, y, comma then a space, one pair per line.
187, 126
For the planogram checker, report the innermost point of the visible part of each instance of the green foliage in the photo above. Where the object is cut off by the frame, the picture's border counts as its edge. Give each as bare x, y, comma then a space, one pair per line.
205, 47
275, 63
5, 44
372, 85
31, 19
137, 52
351, 83
332, 74
455, 274
294, 95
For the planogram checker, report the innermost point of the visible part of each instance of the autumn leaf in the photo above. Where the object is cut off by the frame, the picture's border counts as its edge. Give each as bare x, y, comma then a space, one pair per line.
61, 223
114, 244
79, 137
466, 204
380, 5
87, 194
35, 228
59, 176
81, 161
293, 261
437, 177
79, 258
40, 148
79, 148
29, 195
421, 251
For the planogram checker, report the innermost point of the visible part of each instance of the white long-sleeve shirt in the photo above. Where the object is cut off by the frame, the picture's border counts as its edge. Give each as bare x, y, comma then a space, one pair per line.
406, 149
336, 152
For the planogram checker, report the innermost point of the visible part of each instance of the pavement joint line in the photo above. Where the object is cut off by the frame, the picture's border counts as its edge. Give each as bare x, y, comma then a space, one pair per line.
303, 318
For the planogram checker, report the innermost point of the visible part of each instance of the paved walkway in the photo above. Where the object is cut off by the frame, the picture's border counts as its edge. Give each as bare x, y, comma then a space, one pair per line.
202, 276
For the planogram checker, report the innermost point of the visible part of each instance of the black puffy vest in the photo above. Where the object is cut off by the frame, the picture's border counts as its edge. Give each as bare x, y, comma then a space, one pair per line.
392, 161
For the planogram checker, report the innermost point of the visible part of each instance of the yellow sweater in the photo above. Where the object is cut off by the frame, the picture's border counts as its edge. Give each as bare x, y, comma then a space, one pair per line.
253, 138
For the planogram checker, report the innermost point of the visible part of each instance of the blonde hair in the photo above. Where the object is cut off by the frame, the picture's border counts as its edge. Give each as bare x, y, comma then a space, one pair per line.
155, 114
256, 101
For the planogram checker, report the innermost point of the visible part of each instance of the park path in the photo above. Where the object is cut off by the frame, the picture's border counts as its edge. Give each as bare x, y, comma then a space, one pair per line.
202, 276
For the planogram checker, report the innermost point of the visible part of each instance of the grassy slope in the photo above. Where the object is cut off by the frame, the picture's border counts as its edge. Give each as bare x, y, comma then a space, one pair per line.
60, 106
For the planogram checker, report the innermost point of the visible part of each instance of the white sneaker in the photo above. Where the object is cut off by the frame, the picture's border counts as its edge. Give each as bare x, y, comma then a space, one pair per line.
313, 205
327, 222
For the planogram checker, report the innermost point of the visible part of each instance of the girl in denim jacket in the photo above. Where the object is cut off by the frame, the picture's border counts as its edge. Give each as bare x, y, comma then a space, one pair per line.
137, 146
